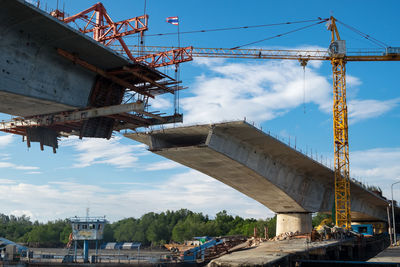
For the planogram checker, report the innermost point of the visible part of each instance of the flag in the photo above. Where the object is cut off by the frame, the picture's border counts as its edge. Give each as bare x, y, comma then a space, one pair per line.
173, 20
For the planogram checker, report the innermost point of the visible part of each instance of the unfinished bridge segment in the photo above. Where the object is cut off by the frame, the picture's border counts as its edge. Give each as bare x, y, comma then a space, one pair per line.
48, 68
286, 181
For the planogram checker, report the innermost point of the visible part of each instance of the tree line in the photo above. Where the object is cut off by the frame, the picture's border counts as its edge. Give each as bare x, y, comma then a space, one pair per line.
150, 229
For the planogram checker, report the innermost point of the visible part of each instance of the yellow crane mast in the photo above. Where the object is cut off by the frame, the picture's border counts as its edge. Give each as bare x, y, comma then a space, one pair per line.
340, 130
157, 56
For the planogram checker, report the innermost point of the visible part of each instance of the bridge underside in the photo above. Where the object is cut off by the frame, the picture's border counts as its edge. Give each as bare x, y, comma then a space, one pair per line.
261, 167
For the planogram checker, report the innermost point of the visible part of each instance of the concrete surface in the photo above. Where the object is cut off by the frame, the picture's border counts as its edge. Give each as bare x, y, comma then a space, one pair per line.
390, 254
293, 222
269, 252
260, 166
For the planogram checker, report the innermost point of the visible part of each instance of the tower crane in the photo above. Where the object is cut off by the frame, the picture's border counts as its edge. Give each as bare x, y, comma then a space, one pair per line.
157, 56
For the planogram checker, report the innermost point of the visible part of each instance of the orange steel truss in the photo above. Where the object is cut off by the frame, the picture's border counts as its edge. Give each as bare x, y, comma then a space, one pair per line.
105, 30
166, 58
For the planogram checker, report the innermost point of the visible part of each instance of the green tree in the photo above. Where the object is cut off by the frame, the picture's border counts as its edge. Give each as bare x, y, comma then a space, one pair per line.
108, 233
125, 230
150, 229
223, 223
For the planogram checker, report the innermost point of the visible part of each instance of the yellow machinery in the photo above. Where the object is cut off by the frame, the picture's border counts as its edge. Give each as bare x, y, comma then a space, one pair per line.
338, 57
340, 130
327, 222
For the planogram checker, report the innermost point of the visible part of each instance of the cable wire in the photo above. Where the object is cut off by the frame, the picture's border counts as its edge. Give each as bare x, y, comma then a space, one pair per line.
280, 35
366, 36
237, 28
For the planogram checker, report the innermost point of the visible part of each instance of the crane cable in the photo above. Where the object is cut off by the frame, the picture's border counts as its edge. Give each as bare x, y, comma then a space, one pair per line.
366, 36
304, 89
236, 28
303, 63
280, 35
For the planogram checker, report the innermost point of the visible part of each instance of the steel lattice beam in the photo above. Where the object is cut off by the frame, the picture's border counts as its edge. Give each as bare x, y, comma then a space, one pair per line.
105, 30
341, 145
169, 57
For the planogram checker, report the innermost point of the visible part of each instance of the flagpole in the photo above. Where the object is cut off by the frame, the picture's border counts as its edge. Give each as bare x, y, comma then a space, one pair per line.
175, 21
179, 38
177, 74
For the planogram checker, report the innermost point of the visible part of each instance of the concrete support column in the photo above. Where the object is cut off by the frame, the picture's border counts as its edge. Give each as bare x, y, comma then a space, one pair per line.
293, 222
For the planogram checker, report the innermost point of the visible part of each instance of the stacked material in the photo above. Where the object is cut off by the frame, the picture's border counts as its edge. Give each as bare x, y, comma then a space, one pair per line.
289, 235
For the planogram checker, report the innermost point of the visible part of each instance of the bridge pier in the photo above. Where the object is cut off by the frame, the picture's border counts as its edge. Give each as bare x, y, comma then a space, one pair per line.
293, 222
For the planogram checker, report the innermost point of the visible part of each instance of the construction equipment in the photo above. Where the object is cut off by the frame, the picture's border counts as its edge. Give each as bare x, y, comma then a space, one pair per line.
366, 230
212, 248
338, 56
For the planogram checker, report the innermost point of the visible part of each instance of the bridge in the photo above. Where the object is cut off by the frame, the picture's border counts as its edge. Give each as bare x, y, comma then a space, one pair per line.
281, 178
48, 69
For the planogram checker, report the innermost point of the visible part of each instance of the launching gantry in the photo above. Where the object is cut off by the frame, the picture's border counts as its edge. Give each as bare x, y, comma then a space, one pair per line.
60, 82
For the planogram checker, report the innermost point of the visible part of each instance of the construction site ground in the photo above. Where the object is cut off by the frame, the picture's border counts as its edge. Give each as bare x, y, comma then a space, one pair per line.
390, 254
268, 253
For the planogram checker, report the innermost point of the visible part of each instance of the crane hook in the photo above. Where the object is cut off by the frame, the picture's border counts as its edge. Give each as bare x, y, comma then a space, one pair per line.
303, 63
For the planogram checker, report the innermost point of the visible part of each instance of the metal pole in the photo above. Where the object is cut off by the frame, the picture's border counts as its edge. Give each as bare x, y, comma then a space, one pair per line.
394, 221
85, 251
119, 253
390, 226
97, 249
75, 250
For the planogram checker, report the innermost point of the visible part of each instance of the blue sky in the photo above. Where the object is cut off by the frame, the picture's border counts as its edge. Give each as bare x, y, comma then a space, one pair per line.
119, 178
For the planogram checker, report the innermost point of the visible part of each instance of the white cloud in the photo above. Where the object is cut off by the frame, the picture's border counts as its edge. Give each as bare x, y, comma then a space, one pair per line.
48, 201
33, 2
7, 181
101, 151
256, 91
264, 91
352, 81
365, 109
191, 190
6, 140
163, 165
209, 62
79, 188
6, 165
378, 166
17, 167
160, 103
19, 213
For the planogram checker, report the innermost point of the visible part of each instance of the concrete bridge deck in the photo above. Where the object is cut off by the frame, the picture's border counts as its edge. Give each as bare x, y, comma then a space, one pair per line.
263, 168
